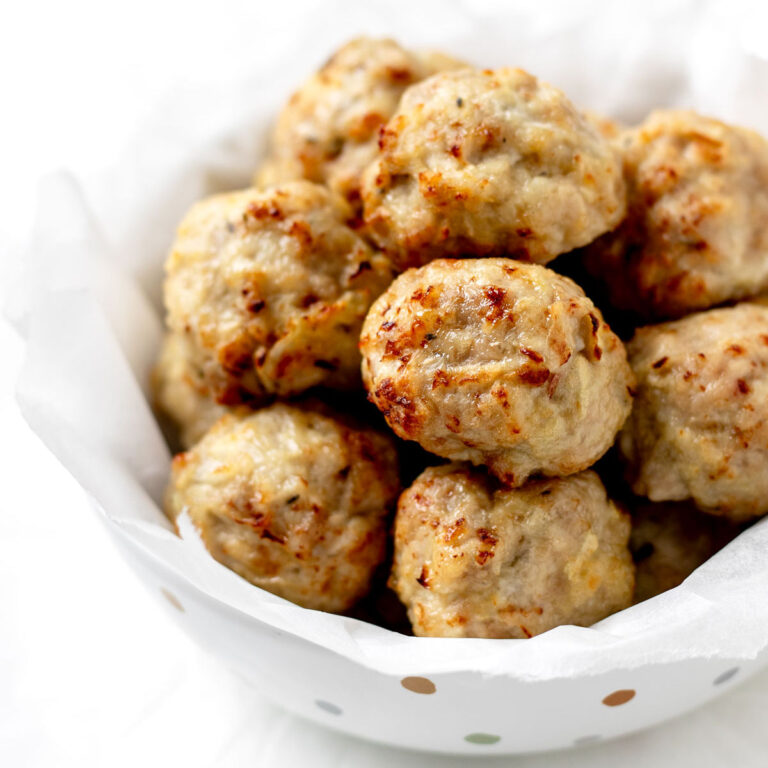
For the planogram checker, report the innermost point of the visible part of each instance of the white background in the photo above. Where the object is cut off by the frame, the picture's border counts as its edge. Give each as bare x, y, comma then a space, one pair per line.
92, 673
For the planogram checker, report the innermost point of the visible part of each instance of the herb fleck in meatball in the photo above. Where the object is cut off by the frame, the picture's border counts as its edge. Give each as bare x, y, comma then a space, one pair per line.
699, 426
293, 500
270, 289
496, 362
696, 232
669, 541
328, 131
473, 559
490, 163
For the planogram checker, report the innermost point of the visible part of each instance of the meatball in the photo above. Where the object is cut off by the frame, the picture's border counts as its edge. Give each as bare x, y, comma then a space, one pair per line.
181, 396
696, 232
328, 131
270, 289
293, 500
669, 541
496, 362
473, 559
490, 163
699, 426
607, 127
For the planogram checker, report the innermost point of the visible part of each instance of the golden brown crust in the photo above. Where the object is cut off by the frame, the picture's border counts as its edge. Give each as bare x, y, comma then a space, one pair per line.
496, 362
696, 232
328, 130
473, 559
489, 163
270, 289
292, 500
699, 425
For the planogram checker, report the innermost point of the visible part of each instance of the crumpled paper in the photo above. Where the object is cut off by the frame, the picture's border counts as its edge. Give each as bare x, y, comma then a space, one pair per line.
89, 303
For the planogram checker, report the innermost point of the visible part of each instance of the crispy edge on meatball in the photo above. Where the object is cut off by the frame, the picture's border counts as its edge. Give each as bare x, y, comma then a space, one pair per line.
292, 500
696, 231
496, 362
474, 559
490, 163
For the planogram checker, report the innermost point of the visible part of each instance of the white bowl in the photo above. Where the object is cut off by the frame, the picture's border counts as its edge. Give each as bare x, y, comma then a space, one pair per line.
90, 311
457, 713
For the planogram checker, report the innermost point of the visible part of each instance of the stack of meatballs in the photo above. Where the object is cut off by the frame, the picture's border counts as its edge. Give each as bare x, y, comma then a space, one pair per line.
394, 243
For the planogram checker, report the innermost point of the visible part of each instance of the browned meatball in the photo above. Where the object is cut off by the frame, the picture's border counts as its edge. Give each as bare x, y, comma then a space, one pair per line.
490, 163
291, 499
496, 362
696, 232
328, 131
270, 288
473, 559
699, 426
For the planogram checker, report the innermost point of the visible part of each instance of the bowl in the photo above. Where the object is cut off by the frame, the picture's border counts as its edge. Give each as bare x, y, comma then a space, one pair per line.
454, 713
90, 311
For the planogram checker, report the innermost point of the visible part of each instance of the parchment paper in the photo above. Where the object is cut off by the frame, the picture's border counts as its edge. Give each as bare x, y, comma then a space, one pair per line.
89, 304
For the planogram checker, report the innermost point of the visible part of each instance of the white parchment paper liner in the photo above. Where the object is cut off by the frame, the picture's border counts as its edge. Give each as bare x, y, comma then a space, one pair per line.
89, 304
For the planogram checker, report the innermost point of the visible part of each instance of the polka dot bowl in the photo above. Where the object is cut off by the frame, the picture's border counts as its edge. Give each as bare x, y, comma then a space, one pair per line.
456, 713
85, 400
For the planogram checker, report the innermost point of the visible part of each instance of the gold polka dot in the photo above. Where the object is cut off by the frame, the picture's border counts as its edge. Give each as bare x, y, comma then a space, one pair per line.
173, 600
617, 698
418, 685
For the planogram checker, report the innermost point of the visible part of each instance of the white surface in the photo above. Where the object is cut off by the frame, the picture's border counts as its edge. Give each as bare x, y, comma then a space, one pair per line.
92, 673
